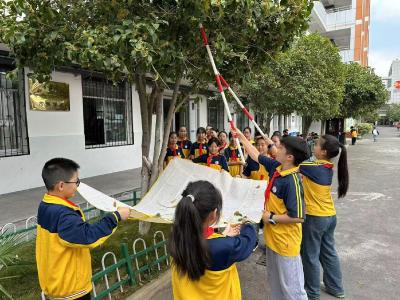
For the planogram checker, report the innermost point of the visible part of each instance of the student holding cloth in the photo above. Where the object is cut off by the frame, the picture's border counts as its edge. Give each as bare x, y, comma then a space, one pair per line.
184, 142
283, 215
200, 146
318, 245
232, 155
213, 159
203, 262
173, 150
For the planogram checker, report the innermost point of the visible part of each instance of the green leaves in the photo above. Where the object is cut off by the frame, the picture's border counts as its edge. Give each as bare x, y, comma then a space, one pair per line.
364, 91
393, 112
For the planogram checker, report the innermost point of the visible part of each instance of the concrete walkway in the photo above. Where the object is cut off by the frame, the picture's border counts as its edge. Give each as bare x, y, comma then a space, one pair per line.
21, 205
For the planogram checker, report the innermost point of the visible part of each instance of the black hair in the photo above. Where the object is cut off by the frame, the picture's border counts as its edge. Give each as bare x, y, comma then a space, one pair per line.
213, 140
277, 133
247, 128
296, 147
222, 131
171, 133
187, 244
332, 146
214, 129
200, 130
58, 169
260, 138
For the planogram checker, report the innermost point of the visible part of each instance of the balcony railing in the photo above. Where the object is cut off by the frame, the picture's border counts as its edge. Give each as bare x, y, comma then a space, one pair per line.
336, 18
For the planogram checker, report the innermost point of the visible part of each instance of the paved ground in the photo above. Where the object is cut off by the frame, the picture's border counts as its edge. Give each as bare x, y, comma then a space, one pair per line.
368, 232
21, 205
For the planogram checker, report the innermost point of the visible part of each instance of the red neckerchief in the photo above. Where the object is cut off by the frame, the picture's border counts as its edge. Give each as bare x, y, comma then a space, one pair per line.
70, 202
262, 177
222, 147
328, 166
209, 158
269, 187
208, 232
234, 156
173, 149
200, 149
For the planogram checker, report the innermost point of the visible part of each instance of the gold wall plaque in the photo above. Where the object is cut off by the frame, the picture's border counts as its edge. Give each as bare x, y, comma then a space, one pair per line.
49, 96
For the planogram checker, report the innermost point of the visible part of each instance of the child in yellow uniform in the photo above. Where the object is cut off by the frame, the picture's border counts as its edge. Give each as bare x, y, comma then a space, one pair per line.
204, 265
184, 142
200, 146
247, 134
173, 150
254, 170
223, 140
213, 159
283, 215
232, 155
318, 245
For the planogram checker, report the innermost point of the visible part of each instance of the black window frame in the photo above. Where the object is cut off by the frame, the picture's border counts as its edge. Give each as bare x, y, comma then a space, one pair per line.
96, 90
16, 142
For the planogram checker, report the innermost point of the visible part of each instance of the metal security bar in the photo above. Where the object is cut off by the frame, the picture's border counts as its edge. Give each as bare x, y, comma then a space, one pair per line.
107, 111
13, 126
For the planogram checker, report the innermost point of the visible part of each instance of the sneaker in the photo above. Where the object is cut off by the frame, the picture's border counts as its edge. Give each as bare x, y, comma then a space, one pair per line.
334, 294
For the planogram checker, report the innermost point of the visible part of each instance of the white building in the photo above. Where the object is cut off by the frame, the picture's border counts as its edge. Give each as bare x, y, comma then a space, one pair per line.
393, 82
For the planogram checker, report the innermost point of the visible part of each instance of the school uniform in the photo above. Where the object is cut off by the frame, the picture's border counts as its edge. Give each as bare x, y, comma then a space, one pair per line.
221, 280
284, 195
318, 244
217, 162
254, 170
197, 149
185, 145
233, 155
63, 244
173, 152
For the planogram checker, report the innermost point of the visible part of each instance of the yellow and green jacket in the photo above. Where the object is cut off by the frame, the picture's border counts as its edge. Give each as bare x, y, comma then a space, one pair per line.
63, 246
221, 280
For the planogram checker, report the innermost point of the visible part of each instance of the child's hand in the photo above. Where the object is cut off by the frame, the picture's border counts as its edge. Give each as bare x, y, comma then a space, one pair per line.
232, 230
265, 216
124, 212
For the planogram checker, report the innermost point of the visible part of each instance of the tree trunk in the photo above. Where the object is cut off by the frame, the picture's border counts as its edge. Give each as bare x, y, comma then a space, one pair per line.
322, 127
157, 136
267, 126
167, 127
140, 84
307, 120
280, 123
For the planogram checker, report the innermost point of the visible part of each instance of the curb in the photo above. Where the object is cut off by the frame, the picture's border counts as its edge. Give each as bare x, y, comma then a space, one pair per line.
152, 288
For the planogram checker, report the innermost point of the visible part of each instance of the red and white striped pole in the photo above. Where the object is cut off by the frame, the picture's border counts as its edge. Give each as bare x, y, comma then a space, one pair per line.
220, 88
239, 102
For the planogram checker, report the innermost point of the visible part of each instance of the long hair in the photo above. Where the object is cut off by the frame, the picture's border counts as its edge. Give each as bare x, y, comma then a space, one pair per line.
187, 245
332, 146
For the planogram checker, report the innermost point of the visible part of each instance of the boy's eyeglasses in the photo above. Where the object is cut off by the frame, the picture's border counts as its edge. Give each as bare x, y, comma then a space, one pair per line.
78, 182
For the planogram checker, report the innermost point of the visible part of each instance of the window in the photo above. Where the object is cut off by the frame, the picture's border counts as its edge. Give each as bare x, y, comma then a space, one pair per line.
107, 112
215, 114
242, 121
13, 126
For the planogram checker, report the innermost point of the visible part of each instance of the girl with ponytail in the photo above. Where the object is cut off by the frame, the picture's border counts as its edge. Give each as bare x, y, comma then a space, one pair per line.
203, 262
318, 244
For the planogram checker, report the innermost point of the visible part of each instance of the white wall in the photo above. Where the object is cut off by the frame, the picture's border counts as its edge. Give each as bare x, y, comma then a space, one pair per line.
61, 134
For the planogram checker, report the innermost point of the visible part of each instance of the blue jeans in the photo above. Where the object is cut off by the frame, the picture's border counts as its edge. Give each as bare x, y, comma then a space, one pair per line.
318, 246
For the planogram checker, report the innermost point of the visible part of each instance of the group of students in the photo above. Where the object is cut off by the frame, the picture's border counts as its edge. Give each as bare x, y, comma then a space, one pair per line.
218, 150
298, 220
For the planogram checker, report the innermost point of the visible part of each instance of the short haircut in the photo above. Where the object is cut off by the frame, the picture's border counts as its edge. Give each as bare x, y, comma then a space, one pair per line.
247, 128
277, 133
260, 138
200, 130
58, 169
296, 147
213, 140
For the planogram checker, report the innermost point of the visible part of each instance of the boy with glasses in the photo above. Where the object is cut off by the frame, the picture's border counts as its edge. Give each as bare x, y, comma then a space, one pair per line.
64, 238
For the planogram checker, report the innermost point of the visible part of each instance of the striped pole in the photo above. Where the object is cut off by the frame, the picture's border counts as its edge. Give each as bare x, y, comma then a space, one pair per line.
220, 88
239, 102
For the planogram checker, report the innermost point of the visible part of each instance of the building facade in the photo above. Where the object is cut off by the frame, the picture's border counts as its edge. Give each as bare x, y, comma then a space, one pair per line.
393, 82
